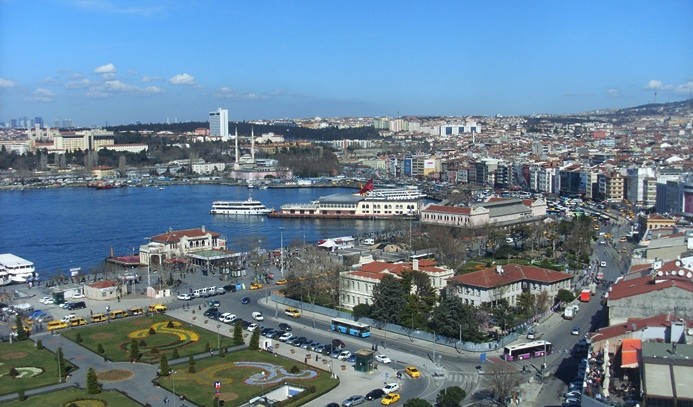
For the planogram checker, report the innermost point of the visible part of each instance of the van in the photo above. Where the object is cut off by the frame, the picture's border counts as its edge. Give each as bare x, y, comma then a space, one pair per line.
136, 311
197, 293
76, 305
119, 313
158, 308
292, 312
368, 241
257, 315
98, 318
78, 322
53, 325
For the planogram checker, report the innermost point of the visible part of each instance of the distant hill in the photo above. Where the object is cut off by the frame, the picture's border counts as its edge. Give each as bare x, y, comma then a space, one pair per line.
656, 109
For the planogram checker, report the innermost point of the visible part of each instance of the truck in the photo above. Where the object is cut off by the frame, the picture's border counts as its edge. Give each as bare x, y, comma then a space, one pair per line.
570, 311
585, 295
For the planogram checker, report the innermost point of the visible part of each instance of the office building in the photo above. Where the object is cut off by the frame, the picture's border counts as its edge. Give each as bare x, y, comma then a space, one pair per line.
219, 124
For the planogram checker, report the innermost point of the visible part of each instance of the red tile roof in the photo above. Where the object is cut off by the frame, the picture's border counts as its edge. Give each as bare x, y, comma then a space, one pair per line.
670, 277
489, 278
377, 269
449, 209
632, 325
176, 235
103, 284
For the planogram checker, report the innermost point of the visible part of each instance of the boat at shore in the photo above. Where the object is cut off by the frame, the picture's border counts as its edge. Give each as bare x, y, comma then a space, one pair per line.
368, 203
14, 269
247, 207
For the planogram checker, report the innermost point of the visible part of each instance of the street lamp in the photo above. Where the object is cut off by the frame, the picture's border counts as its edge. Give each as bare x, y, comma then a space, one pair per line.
281, 248
218, 339
173, 377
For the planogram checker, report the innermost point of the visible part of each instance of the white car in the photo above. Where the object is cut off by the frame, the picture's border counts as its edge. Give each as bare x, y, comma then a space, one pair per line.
344, 355
252, 327
286, 336
383, 359
68, 317
78, 295
44, 299
185, 297
390, 387
227, 317
603, 264
257, 315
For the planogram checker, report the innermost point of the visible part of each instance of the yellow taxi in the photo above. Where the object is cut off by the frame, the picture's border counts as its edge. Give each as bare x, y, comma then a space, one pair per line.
255, 286
412, 372
390, 399
282, 281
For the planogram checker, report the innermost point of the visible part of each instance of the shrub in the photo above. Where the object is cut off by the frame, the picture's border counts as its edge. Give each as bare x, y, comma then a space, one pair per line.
100, 349
174, 354
93, 386
21, 396
13, 373
170, 324
207, 348
294, 369
78, 337
191, 369
39, 344
142, 343
154, 351
152, 331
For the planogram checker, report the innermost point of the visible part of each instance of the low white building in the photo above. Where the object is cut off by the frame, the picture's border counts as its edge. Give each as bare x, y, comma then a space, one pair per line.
498, 211
356, 287
506, 282
180, 243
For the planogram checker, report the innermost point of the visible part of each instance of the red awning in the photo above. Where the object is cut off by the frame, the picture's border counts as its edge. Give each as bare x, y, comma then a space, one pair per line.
629, 353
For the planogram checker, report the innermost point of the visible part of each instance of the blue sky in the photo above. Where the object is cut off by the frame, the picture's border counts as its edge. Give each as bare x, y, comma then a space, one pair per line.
121, 61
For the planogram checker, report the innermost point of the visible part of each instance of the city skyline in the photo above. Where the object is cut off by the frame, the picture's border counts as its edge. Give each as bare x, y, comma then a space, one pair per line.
97, 61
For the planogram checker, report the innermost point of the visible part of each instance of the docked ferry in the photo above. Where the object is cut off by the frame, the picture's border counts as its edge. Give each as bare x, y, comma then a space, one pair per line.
247, 207
14, 269
368, 203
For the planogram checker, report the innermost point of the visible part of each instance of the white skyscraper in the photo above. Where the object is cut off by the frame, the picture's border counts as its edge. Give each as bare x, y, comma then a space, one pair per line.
219, 124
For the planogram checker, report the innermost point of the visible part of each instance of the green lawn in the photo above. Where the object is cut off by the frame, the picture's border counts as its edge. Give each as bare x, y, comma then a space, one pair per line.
198, 387
115, 337
64, 397
24, 354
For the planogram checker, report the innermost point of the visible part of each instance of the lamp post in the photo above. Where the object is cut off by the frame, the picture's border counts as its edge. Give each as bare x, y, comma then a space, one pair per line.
218, 339
281, 249
173, 378
410, 248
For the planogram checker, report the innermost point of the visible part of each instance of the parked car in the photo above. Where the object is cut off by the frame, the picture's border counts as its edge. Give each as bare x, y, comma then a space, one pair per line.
285, 336
298, 341
185, 297
227, 317
78, 296
344, 355
307, 344
353, 401
573, 393
257, 315
252, 327
390, 399
284, 326
382, 359
255, 286
213, 303
338, 343
375, 394
390, 388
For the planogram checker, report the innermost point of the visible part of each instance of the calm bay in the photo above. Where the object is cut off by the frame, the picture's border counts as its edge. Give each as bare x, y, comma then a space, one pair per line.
61, 228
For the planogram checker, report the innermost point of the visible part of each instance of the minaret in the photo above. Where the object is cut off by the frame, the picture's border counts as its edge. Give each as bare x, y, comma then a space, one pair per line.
236, 165
252, 144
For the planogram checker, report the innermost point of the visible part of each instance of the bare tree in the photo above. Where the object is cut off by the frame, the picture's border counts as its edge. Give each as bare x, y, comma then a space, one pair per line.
502, 382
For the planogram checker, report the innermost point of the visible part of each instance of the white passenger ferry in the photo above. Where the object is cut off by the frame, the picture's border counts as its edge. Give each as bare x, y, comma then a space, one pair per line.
247, 207
14, 269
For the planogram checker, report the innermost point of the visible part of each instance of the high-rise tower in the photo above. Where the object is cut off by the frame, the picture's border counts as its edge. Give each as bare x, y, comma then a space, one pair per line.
219, 124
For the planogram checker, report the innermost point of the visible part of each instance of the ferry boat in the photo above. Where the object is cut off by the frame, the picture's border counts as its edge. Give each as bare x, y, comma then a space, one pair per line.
247, 207
368, 203
14, 269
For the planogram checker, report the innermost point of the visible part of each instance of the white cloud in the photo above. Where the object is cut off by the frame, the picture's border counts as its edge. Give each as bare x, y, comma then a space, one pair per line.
182, 79
228, 93
6, 83
105, 69
685, 88
613, 92
42, 95
117, 86
147, 78
653, 84
76, 84
224, 92
119, 7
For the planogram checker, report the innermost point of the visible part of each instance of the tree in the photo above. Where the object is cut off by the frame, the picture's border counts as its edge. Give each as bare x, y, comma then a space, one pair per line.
100, 349
254, 343
565, 296
361, 310
450, 397
452, 317
174, 354
238, 333
93, 386
501, 383
191, 365
164, 368
416, 402
61, 361
134, 350
389, 299
22, 335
